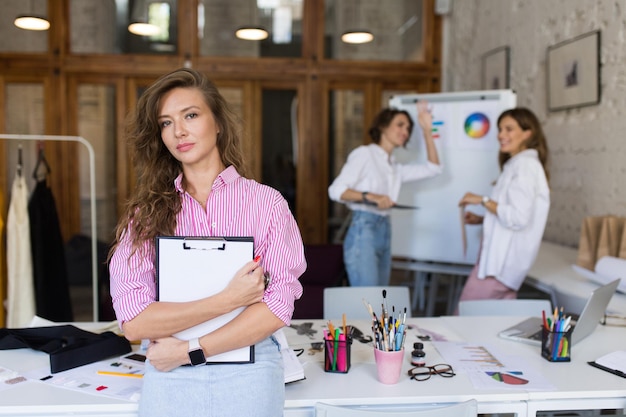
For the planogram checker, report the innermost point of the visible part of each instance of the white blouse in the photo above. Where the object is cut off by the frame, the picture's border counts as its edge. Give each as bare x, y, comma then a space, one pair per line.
511, 239
370, 168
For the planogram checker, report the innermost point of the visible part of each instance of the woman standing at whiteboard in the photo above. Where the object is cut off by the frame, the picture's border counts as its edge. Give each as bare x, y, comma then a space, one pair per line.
369, 183
516, 211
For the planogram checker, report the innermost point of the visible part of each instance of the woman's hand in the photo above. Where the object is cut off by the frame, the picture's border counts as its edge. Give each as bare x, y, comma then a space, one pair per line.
472, 218
424, 116
383, 202
167, 353
471, 198
247, 286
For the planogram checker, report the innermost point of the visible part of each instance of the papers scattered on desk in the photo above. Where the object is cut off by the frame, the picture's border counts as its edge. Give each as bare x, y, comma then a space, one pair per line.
294, 371
9, 378
607, 269
90, 379
489, 368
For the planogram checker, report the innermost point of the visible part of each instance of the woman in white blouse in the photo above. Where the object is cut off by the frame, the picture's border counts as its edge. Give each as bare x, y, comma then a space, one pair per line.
516, 211
369, 183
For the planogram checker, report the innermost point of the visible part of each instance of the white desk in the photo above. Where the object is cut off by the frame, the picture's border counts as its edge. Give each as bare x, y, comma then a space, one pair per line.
553, 270
579, 386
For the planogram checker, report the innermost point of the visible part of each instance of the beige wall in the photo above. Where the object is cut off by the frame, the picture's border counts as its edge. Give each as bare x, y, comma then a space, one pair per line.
587, 145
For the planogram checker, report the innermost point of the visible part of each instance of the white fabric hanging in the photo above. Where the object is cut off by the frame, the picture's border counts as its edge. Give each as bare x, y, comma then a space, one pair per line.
20, 287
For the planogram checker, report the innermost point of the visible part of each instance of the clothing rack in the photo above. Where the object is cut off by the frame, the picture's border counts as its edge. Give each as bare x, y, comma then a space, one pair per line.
92, 188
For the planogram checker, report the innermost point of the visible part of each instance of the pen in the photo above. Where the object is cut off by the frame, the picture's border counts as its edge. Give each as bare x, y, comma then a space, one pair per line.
111, 373
335, 349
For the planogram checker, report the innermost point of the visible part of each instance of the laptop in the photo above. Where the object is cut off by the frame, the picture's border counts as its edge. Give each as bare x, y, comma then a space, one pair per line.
529, 330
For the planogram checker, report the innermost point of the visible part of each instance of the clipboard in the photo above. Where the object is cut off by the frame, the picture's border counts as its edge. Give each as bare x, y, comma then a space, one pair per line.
396, 206
613, 363
190, 268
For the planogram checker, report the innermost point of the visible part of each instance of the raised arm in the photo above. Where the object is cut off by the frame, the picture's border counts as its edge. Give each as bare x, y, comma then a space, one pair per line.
425, 120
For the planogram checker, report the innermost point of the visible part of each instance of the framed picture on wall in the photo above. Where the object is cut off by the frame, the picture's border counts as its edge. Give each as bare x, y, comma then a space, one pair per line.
573, 68
496, 68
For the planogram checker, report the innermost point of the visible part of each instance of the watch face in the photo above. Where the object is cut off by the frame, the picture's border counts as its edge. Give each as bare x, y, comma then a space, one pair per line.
197, 357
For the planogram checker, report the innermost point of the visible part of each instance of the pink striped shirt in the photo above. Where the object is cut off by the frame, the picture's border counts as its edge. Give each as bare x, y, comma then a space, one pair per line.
236, 206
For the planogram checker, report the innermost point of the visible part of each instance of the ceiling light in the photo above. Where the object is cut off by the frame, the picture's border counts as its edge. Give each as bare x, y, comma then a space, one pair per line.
252, 33
357, 36
144, 29
31, 22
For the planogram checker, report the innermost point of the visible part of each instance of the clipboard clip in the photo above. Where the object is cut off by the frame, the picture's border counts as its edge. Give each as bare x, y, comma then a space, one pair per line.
203, 243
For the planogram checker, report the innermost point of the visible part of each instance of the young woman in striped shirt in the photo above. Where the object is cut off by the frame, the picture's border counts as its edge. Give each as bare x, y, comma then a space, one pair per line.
190, 181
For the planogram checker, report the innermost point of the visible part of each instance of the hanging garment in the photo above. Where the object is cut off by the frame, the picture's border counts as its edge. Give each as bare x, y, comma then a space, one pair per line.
52, 294
3, 276
20, 285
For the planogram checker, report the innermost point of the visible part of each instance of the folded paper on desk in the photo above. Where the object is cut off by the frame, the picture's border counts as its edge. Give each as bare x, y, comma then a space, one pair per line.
606, 270
68, 346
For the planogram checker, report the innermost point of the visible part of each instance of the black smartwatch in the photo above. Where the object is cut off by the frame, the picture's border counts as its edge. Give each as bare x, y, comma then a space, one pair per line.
364, 196
196, 354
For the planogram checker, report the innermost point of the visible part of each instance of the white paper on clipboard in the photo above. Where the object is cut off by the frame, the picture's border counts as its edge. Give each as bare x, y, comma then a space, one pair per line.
190, 268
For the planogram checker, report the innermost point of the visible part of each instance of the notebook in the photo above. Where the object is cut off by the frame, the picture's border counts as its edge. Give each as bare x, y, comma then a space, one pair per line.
529, 330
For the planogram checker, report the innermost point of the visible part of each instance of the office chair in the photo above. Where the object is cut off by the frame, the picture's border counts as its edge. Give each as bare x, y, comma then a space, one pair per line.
349, 300
325, 268
517, 307
464, 409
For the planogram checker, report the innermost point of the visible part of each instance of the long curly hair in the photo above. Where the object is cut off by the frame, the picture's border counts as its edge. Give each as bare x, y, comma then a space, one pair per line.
154, 203
527, 120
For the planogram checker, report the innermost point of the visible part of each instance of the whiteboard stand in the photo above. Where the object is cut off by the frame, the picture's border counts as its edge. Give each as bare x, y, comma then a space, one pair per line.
92, 188
455, 273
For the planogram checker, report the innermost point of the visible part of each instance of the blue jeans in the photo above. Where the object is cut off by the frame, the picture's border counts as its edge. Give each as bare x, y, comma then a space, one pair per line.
255, 389
367, 249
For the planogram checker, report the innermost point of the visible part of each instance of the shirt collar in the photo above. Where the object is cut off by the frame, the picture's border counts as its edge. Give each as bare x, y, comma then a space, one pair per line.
382, 153
229, 175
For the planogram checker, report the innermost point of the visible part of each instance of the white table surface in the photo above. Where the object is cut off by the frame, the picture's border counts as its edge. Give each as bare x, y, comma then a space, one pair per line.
577, 383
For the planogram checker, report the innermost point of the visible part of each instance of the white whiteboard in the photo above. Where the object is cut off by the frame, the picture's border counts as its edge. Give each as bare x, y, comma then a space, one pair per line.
466, 135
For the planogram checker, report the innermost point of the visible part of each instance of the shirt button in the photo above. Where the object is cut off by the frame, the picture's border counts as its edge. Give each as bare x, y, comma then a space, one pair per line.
214, 225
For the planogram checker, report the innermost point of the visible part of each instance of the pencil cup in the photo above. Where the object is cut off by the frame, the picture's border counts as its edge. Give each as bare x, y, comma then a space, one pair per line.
337, 355
388, 365
556, 346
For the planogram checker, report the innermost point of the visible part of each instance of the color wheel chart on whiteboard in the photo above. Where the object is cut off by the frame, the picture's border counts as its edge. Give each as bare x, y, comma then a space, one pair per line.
465, 132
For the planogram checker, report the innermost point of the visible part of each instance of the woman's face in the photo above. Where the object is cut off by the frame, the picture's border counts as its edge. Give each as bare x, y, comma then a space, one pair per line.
511, 136
188, 128
397, 133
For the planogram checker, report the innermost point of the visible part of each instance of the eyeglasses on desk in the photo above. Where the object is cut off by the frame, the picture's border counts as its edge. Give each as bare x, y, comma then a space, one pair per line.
422, 373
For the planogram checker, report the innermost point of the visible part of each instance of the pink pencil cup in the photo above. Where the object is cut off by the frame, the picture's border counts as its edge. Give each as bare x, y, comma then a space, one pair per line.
388, 365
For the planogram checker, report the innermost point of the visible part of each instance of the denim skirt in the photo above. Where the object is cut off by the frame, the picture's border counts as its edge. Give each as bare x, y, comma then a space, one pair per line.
227, 390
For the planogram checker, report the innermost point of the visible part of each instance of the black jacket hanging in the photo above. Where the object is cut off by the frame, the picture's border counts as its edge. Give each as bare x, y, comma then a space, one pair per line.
52, 296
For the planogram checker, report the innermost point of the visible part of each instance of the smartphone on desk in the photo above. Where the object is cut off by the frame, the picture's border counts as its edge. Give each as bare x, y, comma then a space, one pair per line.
136, 358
